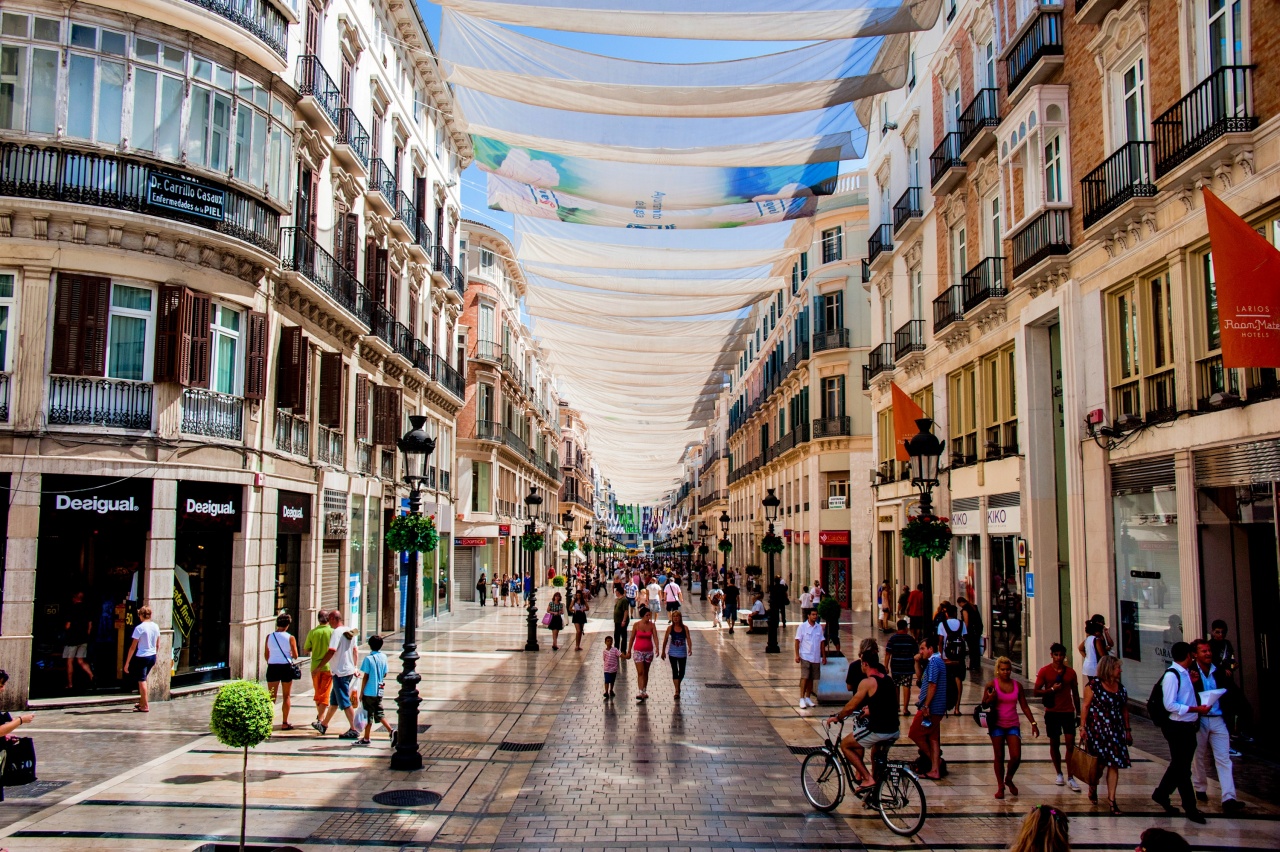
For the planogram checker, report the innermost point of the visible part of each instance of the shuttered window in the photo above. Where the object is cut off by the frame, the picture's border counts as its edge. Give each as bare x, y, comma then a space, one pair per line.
183, 337
80, 325
332, 386
362, 407
351, 243
255, 357
387, 417
292, 371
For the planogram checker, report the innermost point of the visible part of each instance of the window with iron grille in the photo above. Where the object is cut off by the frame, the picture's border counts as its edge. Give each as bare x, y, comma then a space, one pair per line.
832, 245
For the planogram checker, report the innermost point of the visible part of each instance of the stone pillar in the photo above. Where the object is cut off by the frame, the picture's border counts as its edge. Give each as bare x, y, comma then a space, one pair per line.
252, 586
158, 587
17, 616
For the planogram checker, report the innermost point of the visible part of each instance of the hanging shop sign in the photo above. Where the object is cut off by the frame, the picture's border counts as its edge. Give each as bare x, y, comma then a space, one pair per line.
504, 530
1003, 521
184, 614
294, 512
837, 502
78, 500
805, 537
965, 522
209, 506
470, 541
185, 195
833, 537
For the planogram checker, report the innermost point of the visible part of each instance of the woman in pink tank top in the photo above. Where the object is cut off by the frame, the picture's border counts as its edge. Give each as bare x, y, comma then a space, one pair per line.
1005, 696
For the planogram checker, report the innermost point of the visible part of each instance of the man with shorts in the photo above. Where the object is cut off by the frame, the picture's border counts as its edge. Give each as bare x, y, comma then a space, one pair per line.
78, 629
926, 727
315, 646
900, 659
673, 595
1057, 684
811, 654
731, 593
876, 694
915, 612
341, 658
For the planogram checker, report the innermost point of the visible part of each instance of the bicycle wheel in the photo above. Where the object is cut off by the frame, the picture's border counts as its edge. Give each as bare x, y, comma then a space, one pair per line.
900, 800
822, 780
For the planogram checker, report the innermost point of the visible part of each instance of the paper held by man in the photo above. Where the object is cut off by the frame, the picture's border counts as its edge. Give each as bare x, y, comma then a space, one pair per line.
1210, 696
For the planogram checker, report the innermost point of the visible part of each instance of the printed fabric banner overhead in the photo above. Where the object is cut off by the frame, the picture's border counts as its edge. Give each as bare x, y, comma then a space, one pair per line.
1247, 279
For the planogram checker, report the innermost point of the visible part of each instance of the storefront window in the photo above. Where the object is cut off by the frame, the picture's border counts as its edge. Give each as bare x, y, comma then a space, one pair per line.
208, 518
355, 575
967, 552
1006, 626
373, 563
443, 601
1148, 584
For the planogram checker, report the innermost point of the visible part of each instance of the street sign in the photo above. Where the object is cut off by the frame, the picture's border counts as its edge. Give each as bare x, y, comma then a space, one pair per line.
1031, 585
1022, 553
836, 502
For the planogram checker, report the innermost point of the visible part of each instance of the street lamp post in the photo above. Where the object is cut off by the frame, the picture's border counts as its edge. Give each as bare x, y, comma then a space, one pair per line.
589, 562
771, 503
724, 536
567, 520
532, 502
925, 449
702, 542
416, 445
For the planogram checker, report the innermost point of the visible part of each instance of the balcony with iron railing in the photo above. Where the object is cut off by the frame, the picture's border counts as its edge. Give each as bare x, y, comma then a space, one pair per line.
259, 18
382, 325
1001, 441
449, 378
364, 458
5, 380
85, 401
214, 415
1219, 387
513, 371
293, 434
879, 243
908, 342
351, 142
300, 253
879, 360
330, 447
948, 309
403, 341
832, 338
441, 264
458, 281
832, 427
320, 98
1123, 177
983, 287
978, 123
380, 190
1036, 54
1219, 108
404, 221
907, 212
946, 167
514, 441
488, 430
124, 183
1047, 236
487, 350
424, 237
422, 357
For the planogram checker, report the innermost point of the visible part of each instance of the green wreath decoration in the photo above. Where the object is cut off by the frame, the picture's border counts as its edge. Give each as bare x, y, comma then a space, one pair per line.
771, 543
413, 534
569, 546
725, 546
533, 542
926, 537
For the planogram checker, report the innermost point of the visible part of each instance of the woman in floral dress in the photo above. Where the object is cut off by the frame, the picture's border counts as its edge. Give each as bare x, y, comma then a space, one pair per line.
1105, 723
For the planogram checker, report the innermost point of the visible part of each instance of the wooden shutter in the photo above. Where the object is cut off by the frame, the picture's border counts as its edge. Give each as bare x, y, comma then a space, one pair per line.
386, 415
413, 314
198, 309
393, 295
351, 243
170, 334
255, 356
380, 267
292, 370
362, 407
332, 373
81, 307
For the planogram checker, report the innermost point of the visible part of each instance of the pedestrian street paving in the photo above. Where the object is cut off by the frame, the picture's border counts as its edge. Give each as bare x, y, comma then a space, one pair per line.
521, 752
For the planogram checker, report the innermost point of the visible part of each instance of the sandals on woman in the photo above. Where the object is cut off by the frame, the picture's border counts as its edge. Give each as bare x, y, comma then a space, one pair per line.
1115, 811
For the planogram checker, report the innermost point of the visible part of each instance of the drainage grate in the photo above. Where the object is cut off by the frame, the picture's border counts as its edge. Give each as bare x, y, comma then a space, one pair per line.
407, 798
506, 746
34, 790
723, 685
805, 749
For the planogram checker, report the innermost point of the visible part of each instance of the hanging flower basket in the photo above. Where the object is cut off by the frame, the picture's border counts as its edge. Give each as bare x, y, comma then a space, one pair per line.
725, 546
771, 544
569, 546
587, 547
703, 550
926, 537
413, 534
533, 542
559, 581
753, 571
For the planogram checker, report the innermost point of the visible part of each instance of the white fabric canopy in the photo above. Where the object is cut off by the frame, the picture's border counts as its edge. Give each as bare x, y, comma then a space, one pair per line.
551, 302
735, 282
725, 331
623, 344
726, 20
604, 255
488, 58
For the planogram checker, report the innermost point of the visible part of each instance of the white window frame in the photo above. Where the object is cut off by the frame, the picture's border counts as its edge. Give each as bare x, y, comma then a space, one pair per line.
1051, 169
959, 253
149, 341
993, 224
9, 303
916, 279
216, 330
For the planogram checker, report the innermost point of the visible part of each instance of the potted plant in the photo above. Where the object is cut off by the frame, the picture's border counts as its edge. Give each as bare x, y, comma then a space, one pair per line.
829, 611
559, 581
725, 546
241, 718
753, 571
926, 537
569, 546
413, 534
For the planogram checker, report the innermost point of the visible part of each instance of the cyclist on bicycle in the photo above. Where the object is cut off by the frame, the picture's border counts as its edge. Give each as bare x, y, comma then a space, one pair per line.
876, 696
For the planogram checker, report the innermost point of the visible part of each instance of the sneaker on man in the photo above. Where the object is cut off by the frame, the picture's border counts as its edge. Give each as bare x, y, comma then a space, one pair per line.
804, 704
349, 735
319, 726
1071, 782
1232, 753
1059, 780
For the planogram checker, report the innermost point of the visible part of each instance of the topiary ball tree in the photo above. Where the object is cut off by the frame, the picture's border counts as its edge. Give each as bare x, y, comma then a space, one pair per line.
241, 718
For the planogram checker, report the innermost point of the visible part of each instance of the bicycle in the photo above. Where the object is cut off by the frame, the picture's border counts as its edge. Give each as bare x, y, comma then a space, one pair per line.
896, 793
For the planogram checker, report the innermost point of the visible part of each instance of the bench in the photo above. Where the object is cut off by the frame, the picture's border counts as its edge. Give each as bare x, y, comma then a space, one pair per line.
761, 624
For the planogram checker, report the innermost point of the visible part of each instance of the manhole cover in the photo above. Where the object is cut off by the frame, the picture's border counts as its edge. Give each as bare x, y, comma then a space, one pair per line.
34, 790
407, 798
520, 747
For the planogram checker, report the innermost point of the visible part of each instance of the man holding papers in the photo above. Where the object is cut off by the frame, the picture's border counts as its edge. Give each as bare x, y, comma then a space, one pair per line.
1213, 686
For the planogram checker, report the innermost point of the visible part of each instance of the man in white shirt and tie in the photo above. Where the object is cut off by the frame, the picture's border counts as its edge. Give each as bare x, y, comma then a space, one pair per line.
1181, 732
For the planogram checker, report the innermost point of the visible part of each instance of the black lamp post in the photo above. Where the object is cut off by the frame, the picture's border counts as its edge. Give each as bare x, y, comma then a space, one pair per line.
416, 445
702, 542
531, 503
724, 535
588, 559
925, 449
567, 520
771, 503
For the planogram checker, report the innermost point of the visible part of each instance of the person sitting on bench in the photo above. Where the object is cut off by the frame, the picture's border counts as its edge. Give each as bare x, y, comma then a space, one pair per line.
758, 612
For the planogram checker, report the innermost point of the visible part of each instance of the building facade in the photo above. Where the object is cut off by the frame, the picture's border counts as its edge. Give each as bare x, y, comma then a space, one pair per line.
230, 278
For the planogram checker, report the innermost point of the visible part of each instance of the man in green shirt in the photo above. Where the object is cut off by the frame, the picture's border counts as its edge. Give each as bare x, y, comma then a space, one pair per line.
316, 646
621, 615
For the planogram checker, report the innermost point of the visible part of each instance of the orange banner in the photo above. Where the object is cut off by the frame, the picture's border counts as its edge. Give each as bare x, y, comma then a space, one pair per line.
905, 415
1246, 269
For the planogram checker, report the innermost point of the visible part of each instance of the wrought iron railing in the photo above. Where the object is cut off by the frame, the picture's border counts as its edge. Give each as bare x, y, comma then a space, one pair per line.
833, 338
907, 339
983, 112
459, 281
1124, 175
382, 324
488, 430
382, 181
387, 465
907, 208
831, 427
404, 341
314, 82
514, 441
879, 360
364, 457
120, 183
1043, 38
255, 16
449, 378
985, 281
293, 433
405, 212
352, 134
5, 379
944, 158
948, 308
487, 350
424, 235
422, 358
299, 252
217, 415
880, 241
1222, 103
1048, 234
83, 401
330, 446
1159, 393
441, 261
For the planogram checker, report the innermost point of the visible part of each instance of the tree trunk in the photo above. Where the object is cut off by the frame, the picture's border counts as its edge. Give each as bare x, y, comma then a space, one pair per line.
244, 794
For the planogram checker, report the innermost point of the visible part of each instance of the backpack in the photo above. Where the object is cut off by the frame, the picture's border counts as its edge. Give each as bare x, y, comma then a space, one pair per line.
1155, 703
953, 648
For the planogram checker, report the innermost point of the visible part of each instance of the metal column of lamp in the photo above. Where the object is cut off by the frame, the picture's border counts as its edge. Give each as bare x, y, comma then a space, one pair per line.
417, 446
724, 536
588, 566
566, 519
925, 449
702, 556
531, 503
771, 503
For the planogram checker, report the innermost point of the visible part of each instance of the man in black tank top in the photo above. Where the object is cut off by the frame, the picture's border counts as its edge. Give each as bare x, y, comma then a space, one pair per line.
877, 697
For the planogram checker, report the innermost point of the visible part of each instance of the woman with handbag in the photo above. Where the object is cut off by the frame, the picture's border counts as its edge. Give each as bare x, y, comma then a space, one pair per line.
281, 653
555, 609
1104, 727
1005, 697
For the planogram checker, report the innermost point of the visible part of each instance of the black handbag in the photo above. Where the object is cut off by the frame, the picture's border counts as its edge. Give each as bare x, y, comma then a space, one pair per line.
294, 665
17, 762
